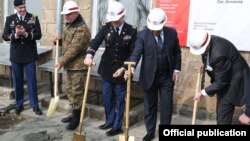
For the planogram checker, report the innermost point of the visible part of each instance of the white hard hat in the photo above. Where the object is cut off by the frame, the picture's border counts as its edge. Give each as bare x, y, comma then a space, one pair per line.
115, 11
156, 19
199, 40
69, 7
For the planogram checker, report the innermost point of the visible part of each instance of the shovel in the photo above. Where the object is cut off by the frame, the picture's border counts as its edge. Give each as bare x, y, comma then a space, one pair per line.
195, 102
77, 135
126, 136
54, 101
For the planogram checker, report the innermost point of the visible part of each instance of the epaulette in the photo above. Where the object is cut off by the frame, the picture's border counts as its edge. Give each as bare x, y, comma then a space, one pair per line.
34, 17
103, 23
134, 26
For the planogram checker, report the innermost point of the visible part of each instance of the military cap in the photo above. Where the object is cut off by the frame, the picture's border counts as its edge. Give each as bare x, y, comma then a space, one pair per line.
19, 2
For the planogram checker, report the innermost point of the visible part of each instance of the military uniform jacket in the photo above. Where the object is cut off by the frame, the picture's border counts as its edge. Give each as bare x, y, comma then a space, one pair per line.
76, 38
22, 49
117, 49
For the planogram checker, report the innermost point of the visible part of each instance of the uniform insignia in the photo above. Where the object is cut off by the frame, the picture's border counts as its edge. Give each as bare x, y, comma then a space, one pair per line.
12, 24
32, 20
112, 13
108, 36
155, 22
127, 37
134, 26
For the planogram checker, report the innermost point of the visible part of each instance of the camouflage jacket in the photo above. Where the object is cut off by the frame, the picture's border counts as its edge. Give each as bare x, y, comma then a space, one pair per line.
75, 40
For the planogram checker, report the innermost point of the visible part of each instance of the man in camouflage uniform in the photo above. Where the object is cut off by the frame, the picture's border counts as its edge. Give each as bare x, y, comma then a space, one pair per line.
76, 38
119, 40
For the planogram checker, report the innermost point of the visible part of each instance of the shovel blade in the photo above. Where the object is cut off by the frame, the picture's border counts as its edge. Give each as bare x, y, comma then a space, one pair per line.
52, 106
78, 137
130, 138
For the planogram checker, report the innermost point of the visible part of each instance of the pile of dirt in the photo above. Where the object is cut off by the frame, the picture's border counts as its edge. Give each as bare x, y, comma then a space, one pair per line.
42, 136
9, 120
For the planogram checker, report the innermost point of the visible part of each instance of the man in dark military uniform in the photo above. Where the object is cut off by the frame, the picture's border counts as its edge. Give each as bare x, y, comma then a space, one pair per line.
22, 30
119, 39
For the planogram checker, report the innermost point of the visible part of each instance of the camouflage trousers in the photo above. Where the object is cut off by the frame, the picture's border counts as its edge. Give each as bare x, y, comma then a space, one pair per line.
74, 87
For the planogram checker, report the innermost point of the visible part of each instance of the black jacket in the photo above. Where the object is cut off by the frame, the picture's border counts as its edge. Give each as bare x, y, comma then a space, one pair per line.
22, 49
230, 71
146, 47
117, 49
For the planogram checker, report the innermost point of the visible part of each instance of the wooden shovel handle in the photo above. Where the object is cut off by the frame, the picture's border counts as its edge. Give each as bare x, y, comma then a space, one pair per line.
56, 70
85, 97
128, 99
195, 102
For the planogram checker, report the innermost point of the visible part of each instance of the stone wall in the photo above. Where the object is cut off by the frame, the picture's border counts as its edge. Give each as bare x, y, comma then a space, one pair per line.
48, 21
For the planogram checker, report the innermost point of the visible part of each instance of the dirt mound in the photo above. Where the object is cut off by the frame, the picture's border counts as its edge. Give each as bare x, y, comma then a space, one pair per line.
9, 120
42, 136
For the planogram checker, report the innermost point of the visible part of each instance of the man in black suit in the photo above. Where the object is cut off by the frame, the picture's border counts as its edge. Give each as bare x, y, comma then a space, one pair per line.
244, 118
228, 70
23, 29
119, 40
161, 62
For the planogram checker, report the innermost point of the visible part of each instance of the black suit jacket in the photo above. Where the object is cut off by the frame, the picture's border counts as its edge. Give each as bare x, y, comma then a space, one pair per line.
146, 47
22, 49
230, 71
117, 49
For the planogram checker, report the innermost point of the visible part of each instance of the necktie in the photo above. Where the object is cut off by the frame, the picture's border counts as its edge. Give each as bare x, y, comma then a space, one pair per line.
21, 18
160, 42
117, 30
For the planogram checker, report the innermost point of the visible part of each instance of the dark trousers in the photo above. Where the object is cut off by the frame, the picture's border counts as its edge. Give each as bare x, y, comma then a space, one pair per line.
18, 82
162, 85
114, 102
224, 109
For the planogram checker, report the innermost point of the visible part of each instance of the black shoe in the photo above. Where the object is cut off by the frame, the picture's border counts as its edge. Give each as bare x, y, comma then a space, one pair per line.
19, 110
67, 119
114, 132
37, 111
105, 126
148, 137
74, 121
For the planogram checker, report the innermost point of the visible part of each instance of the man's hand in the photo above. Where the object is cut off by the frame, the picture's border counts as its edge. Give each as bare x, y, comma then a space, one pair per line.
198, 96
119, 72
54, 38
126, 73
244, 119
20, 30
88, 61
175, 77
58, 66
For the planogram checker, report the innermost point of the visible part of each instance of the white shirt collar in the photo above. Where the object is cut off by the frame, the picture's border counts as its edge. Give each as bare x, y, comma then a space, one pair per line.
120, 28
162, 36
20, 16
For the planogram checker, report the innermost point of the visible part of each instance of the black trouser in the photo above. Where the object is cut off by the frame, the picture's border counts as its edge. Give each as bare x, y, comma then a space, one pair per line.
224, 110
163, 85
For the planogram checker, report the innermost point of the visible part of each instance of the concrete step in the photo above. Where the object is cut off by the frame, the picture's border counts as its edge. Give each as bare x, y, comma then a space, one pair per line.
94, 108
